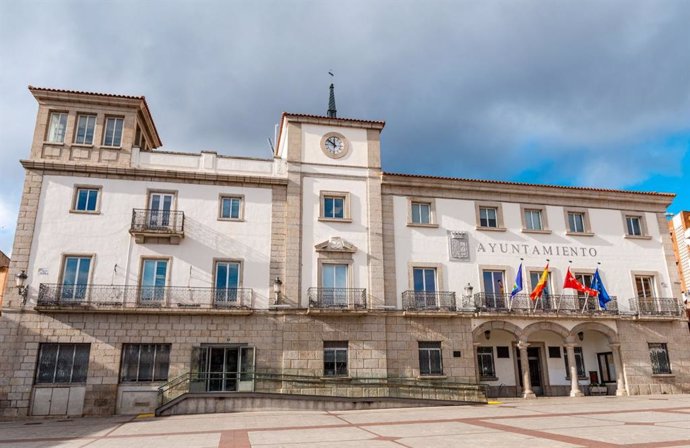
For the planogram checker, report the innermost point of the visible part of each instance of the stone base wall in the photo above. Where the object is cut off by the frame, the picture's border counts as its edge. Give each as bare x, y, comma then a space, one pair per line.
635, 337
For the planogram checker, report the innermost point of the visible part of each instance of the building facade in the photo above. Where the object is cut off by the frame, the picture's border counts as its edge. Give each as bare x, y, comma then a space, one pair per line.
679, 226
152, 276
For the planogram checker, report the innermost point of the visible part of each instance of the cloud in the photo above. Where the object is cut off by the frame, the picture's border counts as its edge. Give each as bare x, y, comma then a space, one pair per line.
487, 89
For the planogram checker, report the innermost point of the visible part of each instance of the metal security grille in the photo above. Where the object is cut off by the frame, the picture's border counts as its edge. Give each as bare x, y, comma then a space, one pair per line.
658, 354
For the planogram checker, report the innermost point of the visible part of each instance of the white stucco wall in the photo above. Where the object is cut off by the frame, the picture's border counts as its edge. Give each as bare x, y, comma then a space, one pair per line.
315, 232
107, 237
619, 256
311, 145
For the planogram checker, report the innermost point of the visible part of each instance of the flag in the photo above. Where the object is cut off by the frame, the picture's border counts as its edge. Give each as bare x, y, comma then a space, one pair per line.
517, 286
572, 283
539, 289
598, 285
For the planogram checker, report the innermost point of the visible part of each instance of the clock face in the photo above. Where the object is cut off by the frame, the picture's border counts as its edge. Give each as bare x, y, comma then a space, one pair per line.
334, 145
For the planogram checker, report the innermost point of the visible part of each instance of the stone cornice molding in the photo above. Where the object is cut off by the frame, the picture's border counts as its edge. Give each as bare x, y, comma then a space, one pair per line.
147, 174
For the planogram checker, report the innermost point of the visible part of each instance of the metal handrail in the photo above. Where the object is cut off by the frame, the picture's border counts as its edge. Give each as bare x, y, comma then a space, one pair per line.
120, 296
288, 384
157, 221
656, 306
428, 300
342, 298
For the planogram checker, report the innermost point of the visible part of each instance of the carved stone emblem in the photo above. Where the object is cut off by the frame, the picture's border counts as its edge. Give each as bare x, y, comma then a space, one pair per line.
458, 246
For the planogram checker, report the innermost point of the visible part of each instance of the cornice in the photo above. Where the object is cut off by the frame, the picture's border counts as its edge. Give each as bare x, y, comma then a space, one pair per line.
137, 173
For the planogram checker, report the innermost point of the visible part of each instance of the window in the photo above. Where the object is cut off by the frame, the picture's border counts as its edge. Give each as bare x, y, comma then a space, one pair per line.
658, 353
335, 206
644, 286
579, 361
85, 129
154, 273
86, 199
576, 222
113, 131
430, 362
485, 361
231, 207
585, 279
62, 363
554, 352
502, 352
75, 277
424, 279
227, 280
334, 283
533, 219
488, 217
421, 212
145, 362
607, 367
335, 358
494, 288
633, 225
56, 127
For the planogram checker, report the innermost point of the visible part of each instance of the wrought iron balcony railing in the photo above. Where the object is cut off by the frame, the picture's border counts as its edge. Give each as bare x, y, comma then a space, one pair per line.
548, 303
119, 296
343, 298
656, 306
157, 221
428, 300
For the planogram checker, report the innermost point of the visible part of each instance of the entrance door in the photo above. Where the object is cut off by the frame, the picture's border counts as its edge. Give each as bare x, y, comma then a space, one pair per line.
334, 284
225, 368
534, 361
160, 206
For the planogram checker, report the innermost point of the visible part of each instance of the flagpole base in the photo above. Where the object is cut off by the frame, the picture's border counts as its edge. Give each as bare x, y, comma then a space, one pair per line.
576, 393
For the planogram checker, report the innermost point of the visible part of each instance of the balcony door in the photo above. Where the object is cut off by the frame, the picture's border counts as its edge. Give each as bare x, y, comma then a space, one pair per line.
494, 289
160, 206
75, 278
227, 282
424, 287
334, 284
154, 274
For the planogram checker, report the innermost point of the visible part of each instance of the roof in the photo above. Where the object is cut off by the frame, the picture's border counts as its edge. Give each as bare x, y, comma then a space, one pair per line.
4, 261
142, 98
527, 184
377, 123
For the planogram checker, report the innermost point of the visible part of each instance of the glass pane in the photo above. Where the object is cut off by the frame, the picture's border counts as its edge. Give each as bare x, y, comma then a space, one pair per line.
418, 277
118, 132
247, 365
430, 280
65, 358
46, 363
81, 129
161, 269
81, 199
424, 367
81, 363
92, 199
130, 362
147, 275
235, 214
328, 207
225, 213
70, 274
338, 210
146, 355
221, 275
83, 273
328, 276
341, 276
162, 363
233, 275
109, 129
435, 361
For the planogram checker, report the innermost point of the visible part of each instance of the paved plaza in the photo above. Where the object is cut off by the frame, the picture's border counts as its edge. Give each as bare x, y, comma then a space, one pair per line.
647, 421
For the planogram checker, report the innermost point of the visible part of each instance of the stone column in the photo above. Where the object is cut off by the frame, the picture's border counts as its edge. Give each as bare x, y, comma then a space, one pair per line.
618, 364
524, 363
572, 365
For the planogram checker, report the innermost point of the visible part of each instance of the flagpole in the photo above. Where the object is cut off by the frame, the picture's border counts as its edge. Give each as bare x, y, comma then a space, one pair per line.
598, 303
510, 302
541, 293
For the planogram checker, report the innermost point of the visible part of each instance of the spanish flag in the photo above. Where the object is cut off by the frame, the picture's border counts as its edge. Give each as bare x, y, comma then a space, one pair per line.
539, 289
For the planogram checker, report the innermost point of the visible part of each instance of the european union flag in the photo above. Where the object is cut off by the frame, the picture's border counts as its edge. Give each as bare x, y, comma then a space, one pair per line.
598, 285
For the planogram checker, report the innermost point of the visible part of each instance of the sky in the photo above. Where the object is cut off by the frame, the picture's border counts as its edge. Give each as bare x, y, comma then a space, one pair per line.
583, 93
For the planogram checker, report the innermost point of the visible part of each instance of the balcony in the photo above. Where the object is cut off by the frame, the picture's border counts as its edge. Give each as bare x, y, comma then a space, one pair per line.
337, 299
157, 226
428, 300
548, 304
657, 306
114, 297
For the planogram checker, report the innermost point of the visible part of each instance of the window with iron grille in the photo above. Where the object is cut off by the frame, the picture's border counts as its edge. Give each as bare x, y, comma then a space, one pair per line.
145, 362
335, 358
430, 362
658, 354
62, 363
485, 361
